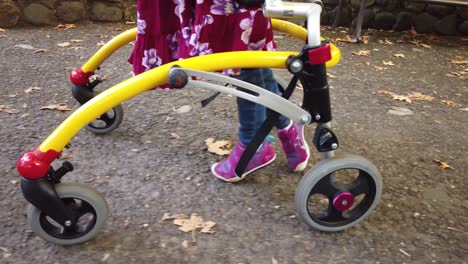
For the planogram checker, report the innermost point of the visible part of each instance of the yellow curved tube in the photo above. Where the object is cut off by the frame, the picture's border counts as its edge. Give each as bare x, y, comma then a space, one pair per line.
110, 47
154, 78
130, 35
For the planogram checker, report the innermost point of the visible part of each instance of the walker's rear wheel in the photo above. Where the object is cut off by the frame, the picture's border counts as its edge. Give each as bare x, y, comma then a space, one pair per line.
107, 122
338, 193
89, 209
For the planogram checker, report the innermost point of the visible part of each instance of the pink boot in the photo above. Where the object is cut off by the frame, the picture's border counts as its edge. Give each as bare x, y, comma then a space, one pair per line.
225, 170
296, 149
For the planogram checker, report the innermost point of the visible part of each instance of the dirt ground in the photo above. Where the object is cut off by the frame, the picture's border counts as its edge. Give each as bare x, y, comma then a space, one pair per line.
144, 172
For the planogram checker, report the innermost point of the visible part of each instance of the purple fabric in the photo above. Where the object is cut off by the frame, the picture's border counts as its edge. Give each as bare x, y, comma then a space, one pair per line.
169, 30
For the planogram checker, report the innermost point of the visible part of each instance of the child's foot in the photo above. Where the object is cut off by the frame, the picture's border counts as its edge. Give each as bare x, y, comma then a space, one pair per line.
296, 149
225, 170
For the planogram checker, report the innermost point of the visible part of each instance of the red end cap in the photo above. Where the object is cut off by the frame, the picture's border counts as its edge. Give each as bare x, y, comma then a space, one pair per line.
80, 78
320, 55
34, 165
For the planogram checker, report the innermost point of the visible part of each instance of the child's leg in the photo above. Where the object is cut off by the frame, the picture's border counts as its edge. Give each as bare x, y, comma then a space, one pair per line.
251, 115
290, 134
272, 86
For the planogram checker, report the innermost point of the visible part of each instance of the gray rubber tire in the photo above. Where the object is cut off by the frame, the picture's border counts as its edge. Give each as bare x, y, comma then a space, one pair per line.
325, 168
79, 191
118, 117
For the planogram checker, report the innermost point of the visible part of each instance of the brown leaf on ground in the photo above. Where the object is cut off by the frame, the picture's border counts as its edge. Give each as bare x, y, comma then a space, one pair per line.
443, 165
2, 30
7, 109
76, 40
195, 222
58, 107
420, 97
362, 53
426, 46
65, 26
450, 103
378, 68
175, 136
220, 147
64, 44
401, 98
459, 62
388, 63
32, 88
346, 39
464, 109
399, 55
40, 51
386, 92
385, 42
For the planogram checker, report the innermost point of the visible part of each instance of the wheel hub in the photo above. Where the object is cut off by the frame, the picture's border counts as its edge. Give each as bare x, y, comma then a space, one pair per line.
343, 201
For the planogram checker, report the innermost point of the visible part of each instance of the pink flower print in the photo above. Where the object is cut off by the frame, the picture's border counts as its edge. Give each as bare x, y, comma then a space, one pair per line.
179, 9
151, 59
173, 41
201, 49
141, 25
257, 46
222, 7
246, 24
270, 46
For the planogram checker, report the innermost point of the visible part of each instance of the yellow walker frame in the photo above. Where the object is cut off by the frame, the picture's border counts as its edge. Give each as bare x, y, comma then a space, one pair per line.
41, 184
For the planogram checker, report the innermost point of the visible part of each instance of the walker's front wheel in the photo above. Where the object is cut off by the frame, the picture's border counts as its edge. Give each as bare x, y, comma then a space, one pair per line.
89, 209
338, 193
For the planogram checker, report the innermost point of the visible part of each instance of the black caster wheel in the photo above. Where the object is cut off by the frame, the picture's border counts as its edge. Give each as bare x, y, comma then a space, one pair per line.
107, 122
89, 207
338, 193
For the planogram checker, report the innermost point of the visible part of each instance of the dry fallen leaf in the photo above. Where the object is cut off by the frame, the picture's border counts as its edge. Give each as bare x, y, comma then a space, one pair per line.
347, 39
76, 40
65, 26
194, 223
362, 53
220, 147
378, 68
450, 103
32, 88
399, 55
401, 98
2, 30
388, 63
459, 62
420, 97
58, 107
7, 109
385, 42
175, 136
64, 44
40, 51
464, 109
426, 46
443, 165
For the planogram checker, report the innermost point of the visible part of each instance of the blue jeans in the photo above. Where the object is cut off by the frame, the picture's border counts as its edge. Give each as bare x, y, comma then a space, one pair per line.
252, 115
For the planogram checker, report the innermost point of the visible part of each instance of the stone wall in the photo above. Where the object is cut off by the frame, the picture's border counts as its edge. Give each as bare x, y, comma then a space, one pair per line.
381, 14
52, 12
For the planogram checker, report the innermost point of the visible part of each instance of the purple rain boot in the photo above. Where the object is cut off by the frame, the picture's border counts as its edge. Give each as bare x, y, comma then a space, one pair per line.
296, 149
225, 170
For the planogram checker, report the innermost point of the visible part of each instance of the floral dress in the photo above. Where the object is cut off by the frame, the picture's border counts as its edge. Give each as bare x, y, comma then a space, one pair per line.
169, 30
